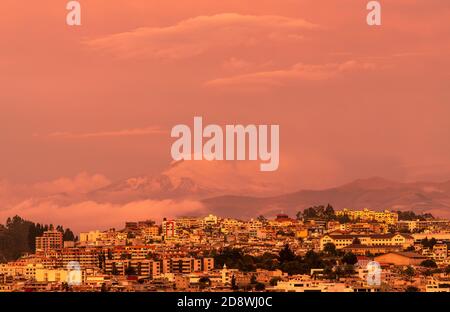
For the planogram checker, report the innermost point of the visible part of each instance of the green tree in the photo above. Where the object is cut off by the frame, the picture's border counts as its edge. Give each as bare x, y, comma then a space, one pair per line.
262, 219
274, 281
329, 212
114, 270
411, 289
330, 249
349, 258
233, 283
428, 263
343, 219
286, 254
409, 272
260, 287
204, 282
130, 271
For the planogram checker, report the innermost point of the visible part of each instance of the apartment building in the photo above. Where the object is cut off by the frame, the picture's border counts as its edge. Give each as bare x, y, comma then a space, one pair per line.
438, 253
169, 228
438, 284
440, 237
187, 265
307, 284
86, 257
150, 232
51, 275
148, 268
344, 240
20, 269
189, 222
49, 240
386, 216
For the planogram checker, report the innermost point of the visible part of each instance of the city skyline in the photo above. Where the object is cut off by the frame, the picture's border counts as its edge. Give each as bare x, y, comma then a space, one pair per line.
321, 250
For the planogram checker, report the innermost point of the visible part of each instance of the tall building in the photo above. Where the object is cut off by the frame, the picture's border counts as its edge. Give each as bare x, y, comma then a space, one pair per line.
168, 228
49, 240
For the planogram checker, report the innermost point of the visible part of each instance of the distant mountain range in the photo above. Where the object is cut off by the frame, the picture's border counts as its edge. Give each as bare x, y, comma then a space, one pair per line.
147, 187
374, 193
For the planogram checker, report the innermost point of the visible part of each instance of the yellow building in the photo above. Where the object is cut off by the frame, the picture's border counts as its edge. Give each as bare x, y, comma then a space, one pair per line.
51, 275
344, 240
369, 215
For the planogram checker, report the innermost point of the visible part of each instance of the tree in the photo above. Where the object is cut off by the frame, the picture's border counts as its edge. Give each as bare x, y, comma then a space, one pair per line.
411, 216
130, 271
274, 281
329, 212
311, 212
428, 243
411, 289
320, 212
409, 272
204, 282
260, 287
18, 236
233, 283
356, 241
349, 258
68, 235
299, 215
349, 270
330, 249
343, 219
286, 254
262, 219
428, 263
114, 270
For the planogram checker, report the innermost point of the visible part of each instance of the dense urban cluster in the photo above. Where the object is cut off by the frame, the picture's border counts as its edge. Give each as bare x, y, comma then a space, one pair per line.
319, 249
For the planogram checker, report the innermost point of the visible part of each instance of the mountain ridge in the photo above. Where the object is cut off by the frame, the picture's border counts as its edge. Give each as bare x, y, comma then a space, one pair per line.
373, 193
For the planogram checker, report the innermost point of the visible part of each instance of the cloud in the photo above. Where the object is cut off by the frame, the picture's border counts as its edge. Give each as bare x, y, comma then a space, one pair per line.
198, 35
233, 64
13, 193
90, 215
103, 134
81, 183
299, 71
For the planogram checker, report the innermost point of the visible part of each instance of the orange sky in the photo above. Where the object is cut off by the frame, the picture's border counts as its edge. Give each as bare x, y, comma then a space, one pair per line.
352, 101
